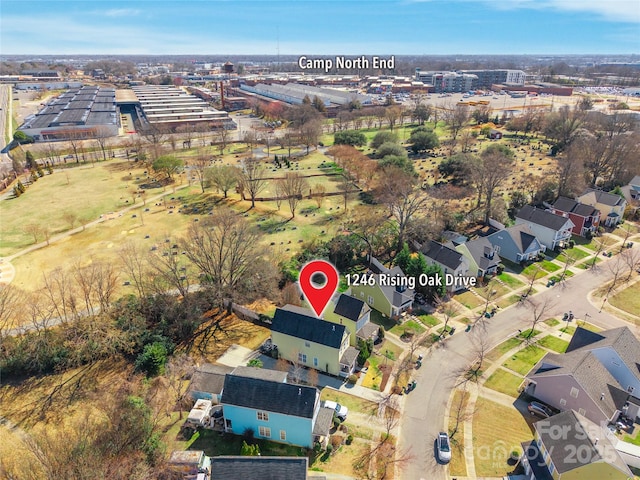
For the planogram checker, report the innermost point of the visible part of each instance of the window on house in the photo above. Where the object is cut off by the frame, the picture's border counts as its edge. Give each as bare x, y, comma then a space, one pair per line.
302, 358
362, 294
263, 416
315, 361
574, 392
264, 431
307, 344
283, 435
370, 300
582, 411
563, 402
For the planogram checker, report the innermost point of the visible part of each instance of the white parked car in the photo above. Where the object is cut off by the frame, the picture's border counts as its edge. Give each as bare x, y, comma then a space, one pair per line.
341, 410
444, 448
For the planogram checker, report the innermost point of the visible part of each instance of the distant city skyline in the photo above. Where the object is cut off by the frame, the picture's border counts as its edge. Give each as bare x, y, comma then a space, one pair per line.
357, 27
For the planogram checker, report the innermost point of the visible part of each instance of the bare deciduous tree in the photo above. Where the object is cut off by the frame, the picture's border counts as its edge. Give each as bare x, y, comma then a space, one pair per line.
252, 178
293, 186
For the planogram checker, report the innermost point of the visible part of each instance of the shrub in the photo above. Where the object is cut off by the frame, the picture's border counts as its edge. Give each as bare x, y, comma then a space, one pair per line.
152, 359
353, 379
349, 439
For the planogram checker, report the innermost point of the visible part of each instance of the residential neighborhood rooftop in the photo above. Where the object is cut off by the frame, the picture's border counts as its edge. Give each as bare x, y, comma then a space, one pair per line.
277, 397
542, 217
258, 468
291, 322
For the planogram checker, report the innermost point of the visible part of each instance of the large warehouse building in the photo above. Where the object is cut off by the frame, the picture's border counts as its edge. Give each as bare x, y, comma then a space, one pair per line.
85, 112
170, 106
294, 94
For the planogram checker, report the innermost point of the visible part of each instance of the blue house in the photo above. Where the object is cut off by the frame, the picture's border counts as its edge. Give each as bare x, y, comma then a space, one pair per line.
274, 410
517, 243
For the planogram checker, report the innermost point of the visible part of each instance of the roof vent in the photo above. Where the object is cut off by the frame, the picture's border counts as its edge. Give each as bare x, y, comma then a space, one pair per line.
334, 328
299, 391
602, 396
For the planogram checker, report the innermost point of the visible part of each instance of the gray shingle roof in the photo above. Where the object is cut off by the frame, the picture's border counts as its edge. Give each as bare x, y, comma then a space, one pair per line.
264, 373
209, 378
589, 373
522, 236
588, 438
569, 205
443, 255
324, 421
270, 396
610, 199
258, 468
478, 248
542, 217
307, 327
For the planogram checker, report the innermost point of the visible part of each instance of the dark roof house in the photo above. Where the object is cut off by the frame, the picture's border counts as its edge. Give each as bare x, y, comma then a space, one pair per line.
258, 468
296, 324
270, 396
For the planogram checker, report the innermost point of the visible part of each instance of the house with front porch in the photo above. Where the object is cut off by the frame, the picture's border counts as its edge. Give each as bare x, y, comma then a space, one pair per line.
482, 256
306, 340
354, 314
585, 218
388, 300
516, 244
448, 259
610, 205
550, 229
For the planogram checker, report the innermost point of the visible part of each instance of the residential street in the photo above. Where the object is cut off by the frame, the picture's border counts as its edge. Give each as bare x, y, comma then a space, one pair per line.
424, 408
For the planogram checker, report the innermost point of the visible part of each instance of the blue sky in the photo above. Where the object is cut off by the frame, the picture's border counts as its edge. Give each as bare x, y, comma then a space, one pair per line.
350, 27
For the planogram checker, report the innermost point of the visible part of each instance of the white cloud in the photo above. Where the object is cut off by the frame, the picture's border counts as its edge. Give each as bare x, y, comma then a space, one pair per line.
121, 12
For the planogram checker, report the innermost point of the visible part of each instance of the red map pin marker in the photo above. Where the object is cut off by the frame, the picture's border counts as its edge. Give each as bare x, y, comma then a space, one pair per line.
318, 296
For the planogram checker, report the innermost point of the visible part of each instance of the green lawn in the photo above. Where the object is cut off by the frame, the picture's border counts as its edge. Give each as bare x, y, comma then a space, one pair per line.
529, 333
510, 300
512, 267
628, 299
568, 330
552, 322
215, 444
554, 343
549, 266
429, 320
524, 360
352, 402
503, 348
510, 280
378, 319
504, 382
494, 440
416, 327
594, 244
468, 299
576, 253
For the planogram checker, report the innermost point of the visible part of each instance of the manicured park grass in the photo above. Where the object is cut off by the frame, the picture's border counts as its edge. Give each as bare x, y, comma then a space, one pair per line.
503, 348
511, 281
554, 343
525, 359
504, 382
628, 299
492, 445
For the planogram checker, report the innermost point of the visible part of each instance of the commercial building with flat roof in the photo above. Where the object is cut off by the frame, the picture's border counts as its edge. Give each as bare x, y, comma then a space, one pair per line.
294, 94
85, 112
171, 106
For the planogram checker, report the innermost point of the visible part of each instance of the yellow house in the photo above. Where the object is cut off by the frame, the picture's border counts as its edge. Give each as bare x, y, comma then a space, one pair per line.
354, 314
303, 339
611, 206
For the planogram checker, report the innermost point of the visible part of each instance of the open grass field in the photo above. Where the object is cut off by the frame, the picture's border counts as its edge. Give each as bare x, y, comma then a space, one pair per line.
504, 382
86, 192
554, 343
628, 299
503, 348
525, 359
492, 446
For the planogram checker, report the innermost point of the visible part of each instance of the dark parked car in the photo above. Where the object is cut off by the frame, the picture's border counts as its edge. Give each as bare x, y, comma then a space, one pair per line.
537, 408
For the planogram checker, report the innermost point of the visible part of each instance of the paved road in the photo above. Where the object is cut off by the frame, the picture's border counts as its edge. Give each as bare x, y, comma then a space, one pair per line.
424, 408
